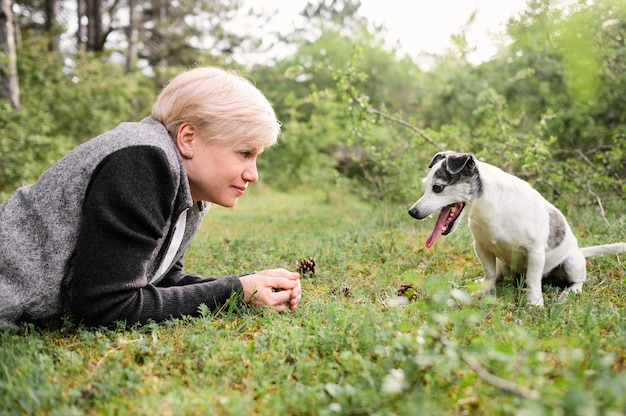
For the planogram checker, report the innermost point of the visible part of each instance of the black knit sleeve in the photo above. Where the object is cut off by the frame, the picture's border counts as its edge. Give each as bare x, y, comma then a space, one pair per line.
126, 208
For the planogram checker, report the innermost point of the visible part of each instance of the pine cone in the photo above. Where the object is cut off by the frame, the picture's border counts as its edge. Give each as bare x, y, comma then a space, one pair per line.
408, 291
306, 267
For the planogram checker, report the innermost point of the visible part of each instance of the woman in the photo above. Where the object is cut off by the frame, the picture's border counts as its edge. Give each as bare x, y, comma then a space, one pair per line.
101, 234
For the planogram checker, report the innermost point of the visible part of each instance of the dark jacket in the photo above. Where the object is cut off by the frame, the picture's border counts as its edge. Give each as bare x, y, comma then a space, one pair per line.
89, 235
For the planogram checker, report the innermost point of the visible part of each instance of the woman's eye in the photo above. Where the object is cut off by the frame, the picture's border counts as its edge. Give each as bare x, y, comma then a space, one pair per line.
438, 189
250, 153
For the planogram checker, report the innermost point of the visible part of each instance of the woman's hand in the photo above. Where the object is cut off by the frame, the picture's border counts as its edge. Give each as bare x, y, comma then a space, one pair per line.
278, 288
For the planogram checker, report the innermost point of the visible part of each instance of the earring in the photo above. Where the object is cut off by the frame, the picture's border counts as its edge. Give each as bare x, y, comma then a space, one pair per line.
188, 155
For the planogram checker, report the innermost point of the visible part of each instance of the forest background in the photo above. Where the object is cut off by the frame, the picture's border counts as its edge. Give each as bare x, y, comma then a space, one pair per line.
385, 326
549, 107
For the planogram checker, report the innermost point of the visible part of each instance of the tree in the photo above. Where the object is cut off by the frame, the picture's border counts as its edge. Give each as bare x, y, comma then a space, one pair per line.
181, 35
95, 34
91, 33
41, 18
132, 34
51, 25
9, 86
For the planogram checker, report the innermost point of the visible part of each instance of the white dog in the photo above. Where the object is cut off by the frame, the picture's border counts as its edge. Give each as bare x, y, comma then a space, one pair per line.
512, 224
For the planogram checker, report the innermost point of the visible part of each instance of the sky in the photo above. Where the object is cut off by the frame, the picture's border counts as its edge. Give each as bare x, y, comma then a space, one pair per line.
419, 26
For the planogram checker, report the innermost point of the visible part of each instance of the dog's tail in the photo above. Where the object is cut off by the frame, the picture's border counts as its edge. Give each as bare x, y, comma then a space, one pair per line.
603, 249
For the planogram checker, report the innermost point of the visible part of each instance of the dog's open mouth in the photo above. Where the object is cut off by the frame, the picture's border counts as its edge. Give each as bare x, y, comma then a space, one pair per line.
445, 222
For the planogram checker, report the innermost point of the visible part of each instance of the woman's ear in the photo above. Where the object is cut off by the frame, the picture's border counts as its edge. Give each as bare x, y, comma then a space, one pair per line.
185, 138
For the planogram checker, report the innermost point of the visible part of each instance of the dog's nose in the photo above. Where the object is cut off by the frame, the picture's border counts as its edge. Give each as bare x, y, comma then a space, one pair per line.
418, 212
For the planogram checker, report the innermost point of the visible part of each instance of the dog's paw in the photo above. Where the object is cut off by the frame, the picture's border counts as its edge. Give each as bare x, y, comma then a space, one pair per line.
566, 293
536, 302
483, 292
485, 286
563, 297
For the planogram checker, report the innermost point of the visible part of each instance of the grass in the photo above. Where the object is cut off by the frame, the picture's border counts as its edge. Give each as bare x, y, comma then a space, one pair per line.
353, 346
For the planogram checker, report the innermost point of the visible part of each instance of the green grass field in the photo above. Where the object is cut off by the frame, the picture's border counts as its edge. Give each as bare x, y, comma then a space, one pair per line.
353, 347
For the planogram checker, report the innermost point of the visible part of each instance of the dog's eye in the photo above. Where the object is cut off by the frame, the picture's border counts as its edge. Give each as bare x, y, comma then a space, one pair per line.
438, 189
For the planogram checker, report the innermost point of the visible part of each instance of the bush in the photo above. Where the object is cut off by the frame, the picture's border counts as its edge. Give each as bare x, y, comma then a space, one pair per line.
64, 103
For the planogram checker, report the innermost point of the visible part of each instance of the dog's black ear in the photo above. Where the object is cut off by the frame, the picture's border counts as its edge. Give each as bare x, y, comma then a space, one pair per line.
437, 158
455, 163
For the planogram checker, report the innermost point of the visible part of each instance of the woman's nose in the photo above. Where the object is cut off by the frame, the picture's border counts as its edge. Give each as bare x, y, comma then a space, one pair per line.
251, 174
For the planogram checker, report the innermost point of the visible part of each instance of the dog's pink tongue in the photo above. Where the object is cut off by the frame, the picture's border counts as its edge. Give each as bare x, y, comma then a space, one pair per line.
441, 222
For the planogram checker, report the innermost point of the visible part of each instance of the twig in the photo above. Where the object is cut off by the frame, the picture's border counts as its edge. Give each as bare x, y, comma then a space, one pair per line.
599, 204
584, 157
595, 195
490, 378
498, 382
400, 121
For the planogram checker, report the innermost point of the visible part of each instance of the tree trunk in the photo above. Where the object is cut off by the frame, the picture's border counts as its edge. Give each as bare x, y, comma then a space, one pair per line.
51, 25
81, 37
160, 34
95, 34
133, 35
9, 86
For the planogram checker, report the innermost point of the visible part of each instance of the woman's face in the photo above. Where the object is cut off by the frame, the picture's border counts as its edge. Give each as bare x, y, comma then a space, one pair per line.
219, 172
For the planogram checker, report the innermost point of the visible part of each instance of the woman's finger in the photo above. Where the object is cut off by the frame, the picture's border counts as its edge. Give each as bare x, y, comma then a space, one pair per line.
280, 273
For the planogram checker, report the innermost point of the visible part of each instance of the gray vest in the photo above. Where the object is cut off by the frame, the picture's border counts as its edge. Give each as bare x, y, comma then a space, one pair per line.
39, 223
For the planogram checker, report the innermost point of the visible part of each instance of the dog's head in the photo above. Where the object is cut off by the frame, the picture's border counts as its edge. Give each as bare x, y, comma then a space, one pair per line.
452, 182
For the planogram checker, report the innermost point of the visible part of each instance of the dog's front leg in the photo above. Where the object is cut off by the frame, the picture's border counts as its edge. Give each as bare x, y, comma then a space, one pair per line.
534, 275
488, 261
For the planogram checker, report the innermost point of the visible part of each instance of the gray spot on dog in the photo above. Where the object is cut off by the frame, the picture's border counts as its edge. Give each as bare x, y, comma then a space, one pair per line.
557, 230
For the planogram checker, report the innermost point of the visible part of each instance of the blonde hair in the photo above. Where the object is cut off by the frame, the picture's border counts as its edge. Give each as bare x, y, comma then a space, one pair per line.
221, 104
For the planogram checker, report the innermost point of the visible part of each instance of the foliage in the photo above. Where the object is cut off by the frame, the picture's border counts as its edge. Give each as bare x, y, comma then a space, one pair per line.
353, 346
568, 64
353, 110
83, 96
63, 106
174, 36
25, 150
318, 118
474, 109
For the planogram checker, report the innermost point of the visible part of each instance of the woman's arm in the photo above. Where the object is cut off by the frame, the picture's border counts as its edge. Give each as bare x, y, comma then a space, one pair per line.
277, 288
